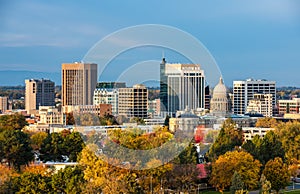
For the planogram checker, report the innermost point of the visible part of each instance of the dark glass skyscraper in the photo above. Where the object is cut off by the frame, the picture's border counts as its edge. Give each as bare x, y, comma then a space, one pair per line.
163, 95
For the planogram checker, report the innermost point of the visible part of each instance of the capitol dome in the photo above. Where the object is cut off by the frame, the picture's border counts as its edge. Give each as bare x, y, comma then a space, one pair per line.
219, 104
220, 90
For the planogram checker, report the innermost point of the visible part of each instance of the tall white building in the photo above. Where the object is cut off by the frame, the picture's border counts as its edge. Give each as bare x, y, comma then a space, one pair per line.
182, 85
243, 92
107, 96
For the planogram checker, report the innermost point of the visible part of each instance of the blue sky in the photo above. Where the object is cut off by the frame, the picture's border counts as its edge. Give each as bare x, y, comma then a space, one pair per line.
251, 38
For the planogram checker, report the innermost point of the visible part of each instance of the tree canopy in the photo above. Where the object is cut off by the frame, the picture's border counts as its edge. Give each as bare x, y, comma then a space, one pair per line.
229, 137
226, 165
277, 173
15, 148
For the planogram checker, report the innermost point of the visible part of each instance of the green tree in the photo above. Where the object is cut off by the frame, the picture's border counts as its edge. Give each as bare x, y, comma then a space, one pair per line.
29, 183
229, 137
254, 147
72, 145
15, 148
68, 180
265, 149
241, 162
277, 173
52, 148
271, 147
188, 156
57, 145
167, 121
236, 183
14, 122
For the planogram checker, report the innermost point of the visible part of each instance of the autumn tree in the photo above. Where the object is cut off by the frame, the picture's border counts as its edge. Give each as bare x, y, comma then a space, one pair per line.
277, 173
241, 162
229, 137
6, 174
37, 169
266, 122
289, 134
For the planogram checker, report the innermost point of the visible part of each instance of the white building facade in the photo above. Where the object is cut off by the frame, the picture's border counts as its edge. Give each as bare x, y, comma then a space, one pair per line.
185, 87
243, 92
107, 96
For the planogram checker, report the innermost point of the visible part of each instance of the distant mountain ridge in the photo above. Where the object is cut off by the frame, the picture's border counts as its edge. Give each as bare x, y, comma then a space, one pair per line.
15, 78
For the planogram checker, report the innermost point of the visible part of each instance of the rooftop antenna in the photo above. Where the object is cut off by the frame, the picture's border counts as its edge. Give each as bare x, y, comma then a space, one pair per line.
163, 54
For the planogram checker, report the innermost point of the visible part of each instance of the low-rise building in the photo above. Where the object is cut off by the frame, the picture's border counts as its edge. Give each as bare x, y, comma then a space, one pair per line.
289, 106
250, 132
262, 104
51, 115
107, 96
186, 121
100, 109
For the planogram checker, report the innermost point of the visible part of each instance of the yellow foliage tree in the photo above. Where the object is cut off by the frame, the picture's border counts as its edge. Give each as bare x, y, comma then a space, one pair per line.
277, 173
241, 162
266, 122
289, 134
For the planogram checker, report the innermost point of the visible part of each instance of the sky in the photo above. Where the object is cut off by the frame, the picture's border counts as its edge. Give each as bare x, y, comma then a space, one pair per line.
248, 39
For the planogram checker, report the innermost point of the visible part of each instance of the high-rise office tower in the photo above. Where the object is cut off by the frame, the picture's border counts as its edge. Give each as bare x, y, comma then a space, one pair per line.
163, 95
133, 102
243, 92
38, 92
181, 86
3, 103
78, 83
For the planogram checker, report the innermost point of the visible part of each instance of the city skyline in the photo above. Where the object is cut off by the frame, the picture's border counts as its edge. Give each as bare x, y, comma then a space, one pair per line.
249, 39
